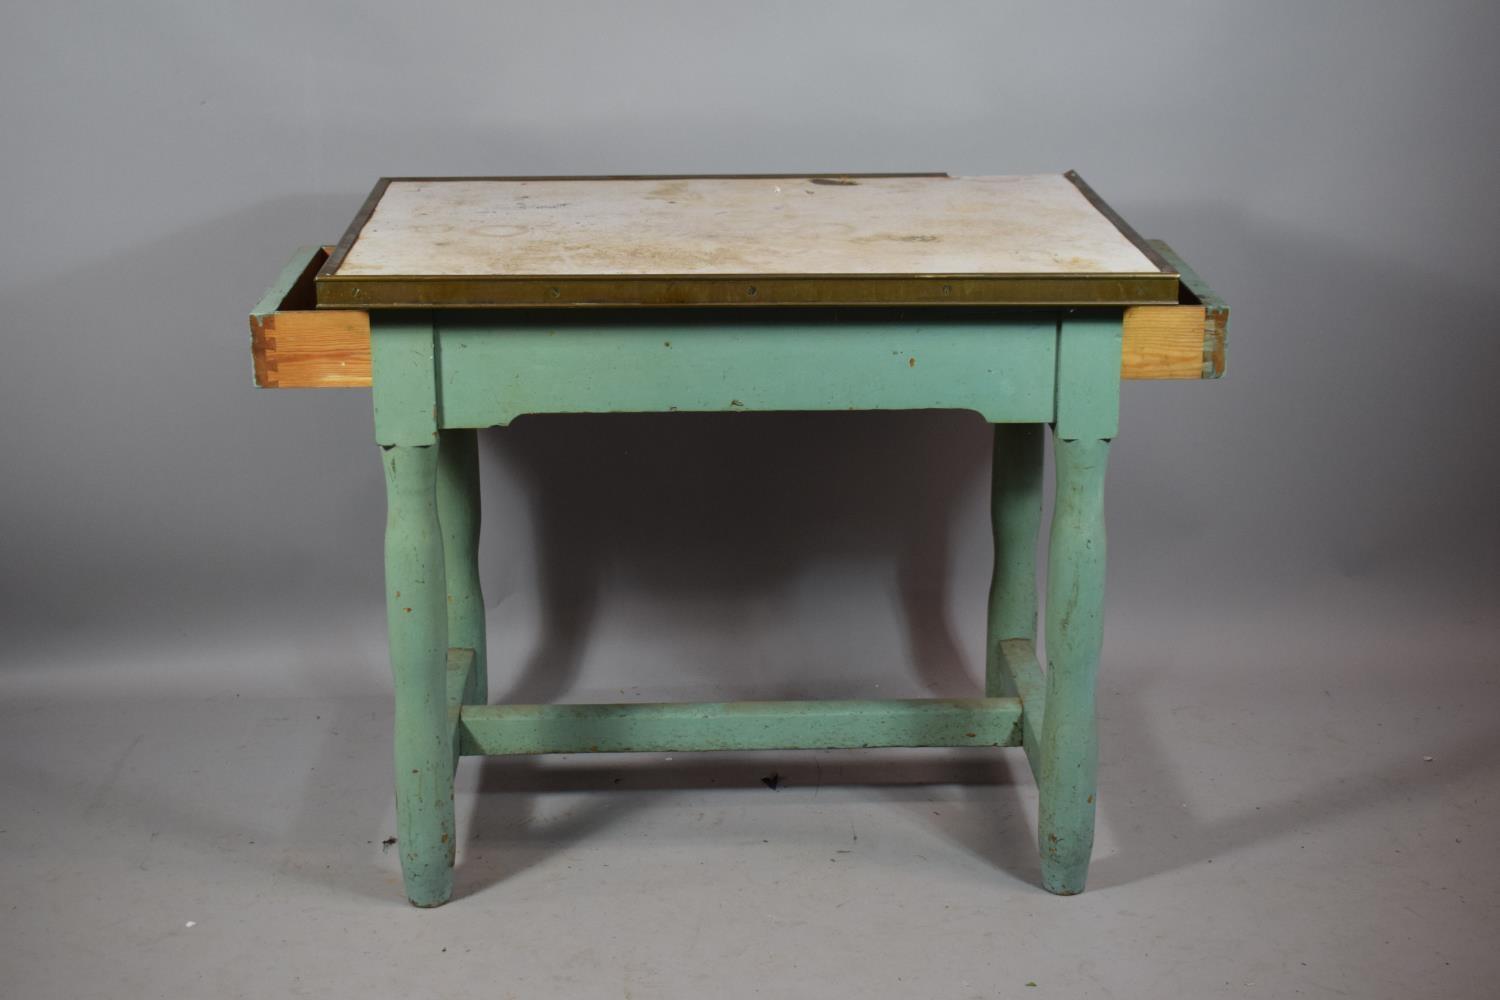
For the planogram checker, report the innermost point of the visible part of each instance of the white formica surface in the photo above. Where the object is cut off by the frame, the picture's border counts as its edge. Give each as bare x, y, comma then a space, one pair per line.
1031, 225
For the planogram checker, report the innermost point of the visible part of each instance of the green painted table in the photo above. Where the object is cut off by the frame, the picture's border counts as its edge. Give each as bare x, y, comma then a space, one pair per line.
466, 302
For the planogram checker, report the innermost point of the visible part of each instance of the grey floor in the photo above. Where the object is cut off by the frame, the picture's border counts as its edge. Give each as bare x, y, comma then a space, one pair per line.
1307, 810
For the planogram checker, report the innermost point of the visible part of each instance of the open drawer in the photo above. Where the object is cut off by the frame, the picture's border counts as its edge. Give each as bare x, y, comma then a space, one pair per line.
298, 346
1185, 341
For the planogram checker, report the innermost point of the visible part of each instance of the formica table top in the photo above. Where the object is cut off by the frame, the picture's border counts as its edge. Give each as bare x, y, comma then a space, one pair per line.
810, 240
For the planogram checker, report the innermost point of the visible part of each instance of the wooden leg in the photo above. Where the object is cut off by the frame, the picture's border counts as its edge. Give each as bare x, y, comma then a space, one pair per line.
1016, 510
458, 513
1075, 619
417, 617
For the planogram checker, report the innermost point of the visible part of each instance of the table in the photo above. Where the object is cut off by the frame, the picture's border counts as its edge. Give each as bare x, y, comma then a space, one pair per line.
465, 303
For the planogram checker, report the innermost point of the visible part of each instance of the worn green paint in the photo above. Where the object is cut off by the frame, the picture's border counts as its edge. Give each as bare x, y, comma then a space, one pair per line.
434, 383
403, 370
496, 366
282, 287
1088, 395
299, 269
1089, 344
417, 621
742, 725
462, 682
1016, 516
458, 514
1019, 674
1074, 634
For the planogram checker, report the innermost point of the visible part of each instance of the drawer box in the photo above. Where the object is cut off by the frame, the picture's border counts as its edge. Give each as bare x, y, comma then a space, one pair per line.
1185, 341
297, 346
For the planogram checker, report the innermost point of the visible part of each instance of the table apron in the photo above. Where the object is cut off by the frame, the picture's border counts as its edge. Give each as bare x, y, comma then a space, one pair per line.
487, 373
435, 371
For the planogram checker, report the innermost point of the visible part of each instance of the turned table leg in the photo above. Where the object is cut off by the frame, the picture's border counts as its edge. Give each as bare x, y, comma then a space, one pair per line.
1016, 513
1067, 762
458, 514
1074, 634
417, 619
428, 472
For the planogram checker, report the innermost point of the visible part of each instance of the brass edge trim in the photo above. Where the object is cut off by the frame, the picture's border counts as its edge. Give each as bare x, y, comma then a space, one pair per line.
761, 291
356, 225
739, 277
662, 177
1125, 228
1196, 291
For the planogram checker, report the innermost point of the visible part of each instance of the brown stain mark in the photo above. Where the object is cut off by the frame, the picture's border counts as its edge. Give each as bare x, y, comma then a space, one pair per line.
674, 191
842, 180
911, 362
897, 238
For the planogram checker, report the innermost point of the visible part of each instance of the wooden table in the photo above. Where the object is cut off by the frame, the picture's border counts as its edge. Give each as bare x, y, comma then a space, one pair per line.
467, 302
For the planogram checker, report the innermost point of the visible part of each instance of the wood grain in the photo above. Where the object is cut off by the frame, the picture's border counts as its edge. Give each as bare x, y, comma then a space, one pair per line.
1163, 342
295, 346
312, 350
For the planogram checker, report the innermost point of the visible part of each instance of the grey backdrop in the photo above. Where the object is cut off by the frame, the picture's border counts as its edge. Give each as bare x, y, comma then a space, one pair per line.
1330, 168
1299, 686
